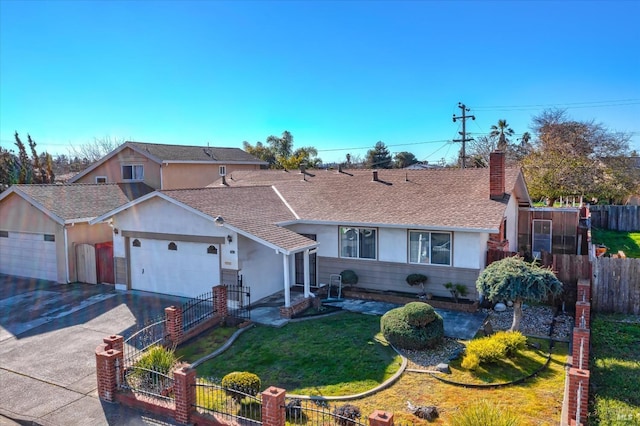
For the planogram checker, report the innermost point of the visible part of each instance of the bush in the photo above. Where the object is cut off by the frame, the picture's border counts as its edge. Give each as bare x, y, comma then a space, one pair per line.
349, 277
486, 349
470, 361
151, 370
348, 414
414, 279
484, 413
414, 326
513, 341
243, 382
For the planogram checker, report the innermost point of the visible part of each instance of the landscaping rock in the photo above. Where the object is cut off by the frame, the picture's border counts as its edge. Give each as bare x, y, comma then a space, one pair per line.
500, 307
429, 413
443, 368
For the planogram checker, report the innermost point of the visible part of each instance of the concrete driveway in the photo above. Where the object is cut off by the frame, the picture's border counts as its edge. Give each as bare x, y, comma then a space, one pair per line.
48, 335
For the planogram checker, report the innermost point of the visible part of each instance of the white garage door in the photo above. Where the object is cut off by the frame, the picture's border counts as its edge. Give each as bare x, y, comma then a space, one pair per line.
189, 270
28, 255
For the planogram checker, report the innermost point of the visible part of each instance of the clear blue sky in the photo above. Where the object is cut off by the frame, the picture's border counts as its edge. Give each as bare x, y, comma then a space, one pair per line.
338, 75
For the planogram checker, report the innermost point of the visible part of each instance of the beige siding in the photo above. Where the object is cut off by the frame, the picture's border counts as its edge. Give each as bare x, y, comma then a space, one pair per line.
390, 276
180, 176
112, 169
83, 233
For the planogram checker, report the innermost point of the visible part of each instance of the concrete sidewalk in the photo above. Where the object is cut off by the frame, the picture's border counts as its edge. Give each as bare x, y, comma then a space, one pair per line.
48, 336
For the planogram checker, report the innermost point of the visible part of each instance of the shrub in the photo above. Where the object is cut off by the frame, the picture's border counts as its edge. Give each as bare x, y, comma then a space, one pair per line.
456, 290
348, 414
486, 349
470, 361
396, 326
349, 277
484, 413
293, 410
150, 371
513, 341
415, 279
243, 382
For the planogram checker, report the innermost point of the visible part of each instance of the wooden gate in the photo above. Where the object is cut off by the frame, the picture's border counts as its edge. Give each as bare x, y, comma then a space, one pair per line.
86, 264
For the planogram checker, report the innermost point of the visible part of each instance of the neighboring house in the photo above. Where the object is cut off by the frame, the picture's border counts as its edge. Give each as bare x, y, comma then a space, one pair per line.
42, 225
167, 166
279, 228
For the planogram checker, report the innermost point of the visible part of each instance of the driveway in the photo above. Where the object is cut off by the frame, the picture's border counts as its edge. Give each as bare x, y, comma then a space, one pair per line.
48, 336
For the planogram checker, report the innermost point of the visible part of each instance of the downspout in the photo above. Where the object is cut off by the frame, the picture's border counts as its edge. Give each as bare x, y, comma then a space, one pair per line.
161, 176
66, 253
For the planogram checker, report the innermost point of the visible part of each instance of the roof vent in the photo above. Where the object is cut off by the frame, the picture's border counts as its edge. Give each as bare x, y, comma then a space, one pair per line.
224, 181
375, 176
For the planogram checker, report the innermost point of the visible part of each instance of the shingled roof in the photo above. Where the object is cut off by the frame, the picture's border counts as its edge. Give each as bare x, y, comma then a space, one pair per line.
255, 210
187, 153
453, 199
82, 201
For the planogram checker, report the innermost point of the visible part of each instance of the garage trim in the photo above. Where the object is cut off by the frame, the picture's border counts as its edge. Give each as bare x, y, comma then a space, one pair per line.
174, 237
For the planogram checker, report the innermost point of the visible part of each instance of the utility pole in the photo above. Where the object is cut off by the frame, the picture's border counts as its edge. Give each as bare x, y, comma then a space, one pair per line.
464, 139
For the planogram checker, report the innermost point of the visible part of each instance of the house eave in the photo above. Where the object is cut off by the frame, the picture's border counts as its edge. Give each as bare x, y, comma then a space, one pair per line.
390, 225
256, 163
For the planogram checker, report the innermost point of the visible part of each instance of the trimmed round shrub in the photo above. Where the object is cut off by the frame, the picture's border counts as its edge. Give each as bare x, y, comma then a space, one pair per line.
397, 326
419, 314
243, 382
487, 349
471, 361
349, 277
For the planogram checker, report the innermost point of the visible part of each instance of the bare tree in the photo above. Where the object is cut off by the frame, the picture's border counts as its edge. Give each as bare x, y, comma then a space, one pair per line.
93, 151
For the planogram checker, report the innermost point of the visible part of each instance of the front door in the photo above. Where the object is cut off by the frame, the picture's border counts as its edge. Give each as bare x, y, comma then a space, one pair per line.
312, 265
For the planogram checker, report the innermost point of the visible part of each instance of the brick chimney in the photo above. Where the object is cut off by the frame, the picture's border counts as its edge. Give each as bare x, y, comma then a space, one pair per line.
496, 175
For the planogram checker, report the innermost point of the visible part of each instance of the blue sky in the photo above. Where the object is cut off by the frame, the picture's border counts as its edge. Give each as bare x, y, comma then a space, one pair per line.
338, 75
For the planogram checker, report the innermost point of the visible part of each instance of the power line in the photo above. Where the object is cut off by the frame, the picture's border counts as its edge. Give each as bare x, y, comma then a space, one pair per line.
571, 105
464, 139
388, 146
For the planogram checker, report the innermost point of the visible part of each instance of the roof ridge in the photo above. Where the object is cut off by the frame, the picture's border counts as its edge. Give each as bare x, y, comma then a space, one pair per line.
179, 145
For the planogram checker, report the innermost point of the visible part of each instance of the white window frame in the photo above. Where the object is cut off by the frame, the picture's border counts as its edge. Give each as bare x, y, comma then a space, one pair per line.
99, 178
428, 249
133, 174
222, 170
534, 252
355, 233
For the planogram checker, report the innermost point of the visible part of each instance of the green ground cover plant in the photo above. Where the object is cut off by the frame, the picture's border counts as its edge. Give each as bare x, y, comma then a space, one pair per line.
628, 242
615, 370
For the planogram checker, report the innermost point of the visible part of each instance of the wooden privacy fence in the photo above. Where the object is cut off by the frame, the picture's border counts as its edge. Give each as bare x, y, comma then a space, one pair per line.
616, 285
616, 218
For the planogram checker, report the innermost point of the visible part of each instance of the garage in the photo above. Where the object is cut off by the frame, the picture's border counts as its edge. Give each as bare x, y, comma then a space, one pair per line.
28, 255
174, 267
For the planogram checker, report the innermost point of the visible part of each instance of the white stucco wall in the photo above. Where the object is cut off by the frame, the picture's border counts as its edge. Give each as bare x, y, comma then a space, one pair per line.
327, 237
469, 249
261, 268
512, 223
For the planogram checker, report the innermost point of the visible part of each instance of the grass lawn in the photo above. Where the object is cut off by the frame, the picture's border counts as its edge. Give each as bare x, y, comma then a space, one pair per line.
628, 242
344, 354
615, 370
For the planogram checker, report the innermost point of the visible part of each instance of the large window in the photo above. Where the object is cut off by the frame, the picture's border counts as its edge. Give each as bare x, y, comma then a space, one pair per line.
358, 242
133, 172
430, 248
541, 237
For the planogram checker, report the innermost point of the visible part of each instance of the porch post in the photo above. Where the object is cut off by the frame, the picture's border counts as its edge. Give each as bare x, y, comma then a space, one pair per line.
307, 280
287, 283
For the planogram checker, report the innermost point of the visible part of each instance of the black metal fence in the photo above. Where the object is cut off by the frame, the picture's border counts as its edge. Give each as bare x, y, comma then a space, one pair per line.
233, 405
198, 310
149, 381
300, 411
239, 301
152, 333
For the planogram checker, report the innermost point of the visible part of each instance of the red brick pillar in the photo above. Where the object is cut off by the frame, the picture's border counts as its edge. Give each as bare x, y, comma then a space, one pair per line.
184, 380
583, 310
584, 290
173, 317
220, 297
578, 381
273, 407
581, 338
109, 371
381, 418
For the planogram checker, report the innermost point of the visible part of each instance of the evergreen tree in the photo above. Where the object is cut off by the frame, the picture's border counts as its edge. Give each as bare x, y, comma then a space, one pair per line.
379, 157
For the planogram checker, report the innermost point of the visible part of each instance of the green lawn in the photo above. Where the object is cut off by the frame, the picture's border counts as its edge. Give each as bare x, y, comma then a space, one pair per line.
336, 355
615, 370
628, 242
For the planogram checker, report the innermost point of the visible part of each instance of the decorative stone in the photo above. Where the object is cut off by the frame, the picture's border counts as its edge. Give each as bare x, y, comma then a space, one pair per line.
500, 307
509, 303
443, 368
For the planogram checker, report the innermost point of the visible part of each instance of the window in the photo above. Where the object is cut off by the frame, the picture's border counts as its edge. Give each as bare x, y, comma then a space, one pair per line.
4, 234
133, 172
223, 170
541, 237
136, 243
212, 250
358, 242
430, 248
101, 179
49, 237
173, 246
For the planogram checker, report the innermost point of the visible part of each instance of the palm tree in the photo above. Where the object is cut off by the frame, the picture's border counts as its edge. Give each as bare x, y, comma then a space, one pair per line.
502, 129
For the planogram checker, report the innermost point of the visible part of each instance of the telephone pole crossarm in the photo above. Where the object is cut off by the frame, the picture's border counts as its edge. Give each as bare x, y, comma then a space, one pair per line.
464, 139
